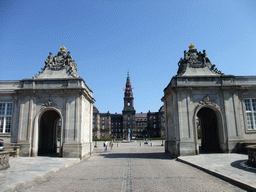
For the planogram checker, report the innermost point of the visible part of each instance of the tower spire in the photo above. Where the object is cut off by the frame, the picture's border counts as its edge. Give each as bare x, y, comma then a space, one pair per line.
128, 94
128, 111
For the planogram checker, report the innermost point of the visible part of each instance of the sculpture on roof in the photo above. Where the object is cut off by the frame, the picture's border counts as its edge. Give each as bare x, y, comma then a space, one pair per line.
60, 61
195, 59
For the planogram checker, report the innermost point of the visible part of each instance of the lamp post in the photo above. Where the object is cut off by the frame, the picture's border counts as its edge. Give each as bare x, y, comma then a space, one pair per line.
162, 139
129, 134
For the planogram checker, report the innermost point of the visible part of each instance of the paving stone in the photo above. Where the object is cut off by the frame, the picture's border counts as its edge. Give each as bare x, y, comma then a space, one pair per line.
130, 167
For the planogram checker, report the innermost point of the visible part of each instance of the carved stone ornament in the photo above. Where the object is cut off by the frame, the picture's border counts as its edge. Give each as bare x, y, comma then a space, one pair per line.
48, 103
195, 59
60, 61
206, 101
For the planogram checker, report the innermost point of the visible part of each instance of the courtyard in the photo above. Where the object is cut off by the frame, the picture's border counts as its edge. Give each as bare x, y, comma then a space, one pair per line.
131, 166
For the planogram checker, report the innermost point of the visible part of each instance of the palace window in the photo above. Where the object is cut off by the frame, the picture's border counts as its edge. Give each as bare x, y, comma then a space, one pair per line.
250, 106
5, 117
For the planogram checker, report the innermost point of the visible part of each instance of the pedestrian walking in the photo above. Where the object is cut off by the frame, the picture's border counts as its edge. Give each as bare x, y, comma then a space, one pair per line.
111, 144
106, 146
1, 144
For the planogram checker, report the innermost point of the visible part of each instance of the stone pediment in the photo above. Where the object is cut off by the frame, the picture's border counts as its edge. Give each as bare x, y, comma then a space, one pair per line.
196, 63
59, 66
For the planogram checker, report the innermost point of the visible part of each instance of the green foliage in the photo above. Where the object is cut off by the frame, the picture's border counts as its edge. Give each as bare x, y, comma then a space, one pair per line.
199, 134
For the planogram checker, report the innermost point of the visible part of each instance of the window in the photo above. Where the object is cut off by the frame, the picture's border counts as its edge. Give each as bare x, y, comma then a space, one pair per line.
154, 126
250, 107
103, 126
5, 117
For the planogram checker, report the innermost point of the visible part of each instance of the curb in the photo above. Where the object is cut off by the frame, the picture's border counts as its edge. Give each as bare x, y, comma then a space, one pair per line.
223, 177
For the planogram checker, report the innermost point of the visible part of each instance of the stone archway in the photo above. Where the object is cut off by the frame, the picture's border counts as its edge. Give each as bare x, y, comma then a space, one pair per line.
209, 125
49, 128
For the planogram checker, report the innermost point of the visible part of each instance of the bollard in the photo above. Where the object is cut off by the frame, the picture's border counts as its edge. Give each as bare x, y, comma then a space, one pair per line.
151, 144
140, 144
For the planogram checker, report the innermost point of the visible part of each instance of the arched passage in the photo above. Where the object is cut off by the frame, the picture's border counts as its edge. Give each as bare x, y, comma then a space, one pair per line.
207, 124
49, 131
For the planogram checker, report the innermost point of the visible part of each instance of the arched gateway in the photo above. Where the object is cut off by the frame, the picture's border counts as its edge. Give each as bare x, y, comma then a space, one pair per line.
49, 133
52, 112
207, 111
209, 130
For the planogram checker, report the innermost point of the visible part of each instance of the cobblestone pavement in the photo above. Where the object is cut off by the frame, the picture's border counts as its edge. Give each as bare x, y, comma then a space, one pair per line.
130, 167
232, 166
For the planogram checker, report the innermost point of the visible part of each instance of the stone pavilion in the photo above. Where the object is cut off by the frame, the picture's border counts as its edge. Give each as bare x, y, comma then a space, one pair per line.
206, 110
49, 113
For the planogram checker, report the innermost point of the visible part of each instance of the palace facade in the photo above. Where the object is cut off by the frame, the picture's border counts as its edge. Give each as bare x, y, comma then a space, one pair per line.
128, 123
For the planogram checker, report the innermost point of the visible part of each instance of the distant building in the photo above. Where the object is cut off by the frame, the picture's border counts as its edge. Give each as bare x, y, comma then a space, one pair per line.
116, 126
106, 125
141, 122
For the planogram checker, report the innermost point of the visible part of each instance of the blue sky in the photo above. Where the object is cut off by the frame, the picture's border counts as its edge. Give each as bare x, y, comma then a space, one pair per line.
109, 38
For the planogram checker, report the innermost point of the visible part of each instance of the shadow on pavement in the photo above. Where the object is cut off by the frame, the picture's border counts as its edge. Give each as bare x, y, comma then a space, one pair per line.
138, 155
57, 155
242, 164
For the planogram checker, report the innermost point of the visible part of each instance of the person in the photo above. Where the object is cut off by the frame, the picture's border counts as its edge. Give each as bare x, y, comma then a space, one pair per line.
111, 144
106, 146
1, 144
